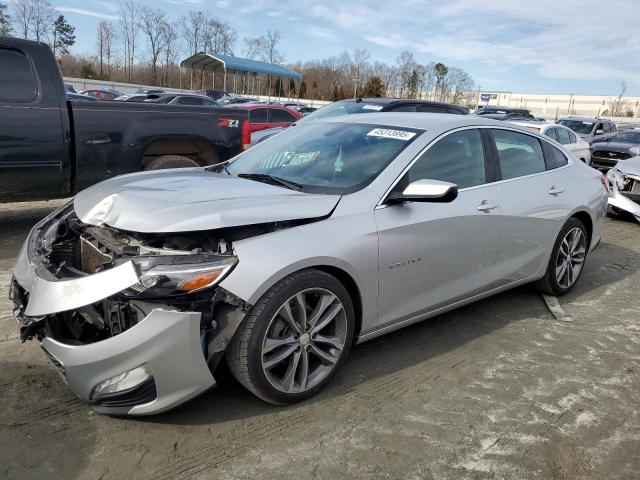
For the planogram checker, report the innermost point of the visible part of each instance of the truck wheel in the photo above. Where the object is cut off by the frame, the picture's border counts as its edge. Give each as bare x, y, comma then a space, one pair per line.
170, 161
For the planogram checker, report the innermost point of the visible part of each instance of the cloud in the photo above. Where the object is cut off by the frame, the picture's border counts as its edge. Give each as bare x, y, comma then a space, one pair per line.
88, 13
321, 33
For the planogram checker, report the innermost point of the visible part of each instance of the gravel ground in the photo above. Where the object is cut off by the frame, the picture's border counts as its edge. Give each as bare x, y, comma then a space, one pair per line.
498, 389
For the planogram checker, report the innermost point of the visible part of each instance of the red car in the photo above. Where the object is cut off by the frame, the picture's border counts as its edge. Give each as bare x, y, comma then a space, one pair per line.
263, 116
99, 94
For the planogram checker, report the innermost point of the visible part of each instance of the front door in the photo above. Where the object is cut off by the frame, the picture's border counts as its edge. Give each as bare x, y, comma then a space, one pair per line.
432, 254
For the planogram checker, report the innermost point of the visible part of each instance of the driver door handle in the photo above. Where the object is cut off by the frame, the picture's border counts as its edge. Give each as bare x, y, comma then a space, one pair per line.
487, 206
555, 190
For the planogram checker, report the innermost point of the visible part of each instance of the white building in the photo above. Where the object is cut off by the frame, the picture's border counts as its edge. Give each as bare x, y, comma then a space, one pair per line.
556, 106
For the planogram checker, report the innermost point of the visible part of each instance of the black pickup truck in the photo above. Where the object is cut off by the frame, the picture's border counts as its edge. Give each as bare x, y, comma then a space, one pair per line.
52, 147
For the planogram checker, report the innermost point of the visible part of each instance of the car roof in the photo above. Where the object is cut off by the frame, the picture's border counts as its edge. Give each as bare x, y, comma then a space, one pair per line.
422, 121
585, 119
250, 106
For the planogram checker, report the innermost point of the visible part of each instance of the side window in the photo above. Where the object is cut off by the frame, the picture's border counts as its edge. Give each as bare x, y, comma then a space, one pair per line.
614, 128
563, 137
258, 115
519, 154
551, 133
553, 156
189, 101
457, 158
599, 126
433, 109
572, 136
404, 108
281, 116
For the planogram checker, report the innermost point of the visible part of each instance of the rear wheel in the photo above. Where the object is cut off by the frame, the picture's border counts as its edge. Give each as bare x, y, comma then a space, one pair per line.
294, 340
567, 259
170, 161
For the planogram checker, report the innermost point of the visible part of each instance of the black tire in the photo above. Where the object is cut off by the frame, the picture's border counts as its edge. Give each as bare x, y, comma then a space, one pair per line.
549, 283
245, 351
170, 161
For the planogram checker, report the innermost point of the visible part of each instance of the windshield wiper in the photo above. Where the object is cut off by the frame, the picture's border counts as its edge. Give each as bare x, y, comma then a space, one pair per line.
264, 177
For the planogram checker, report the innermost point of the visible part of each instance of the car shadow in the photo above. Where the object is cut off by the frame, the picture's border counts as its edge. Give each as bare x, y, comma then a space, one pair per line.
420, 343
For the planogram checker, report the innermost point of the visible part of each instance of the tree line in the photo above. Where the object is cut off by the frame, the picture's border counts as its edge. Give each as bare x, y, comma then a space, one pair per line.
145, 46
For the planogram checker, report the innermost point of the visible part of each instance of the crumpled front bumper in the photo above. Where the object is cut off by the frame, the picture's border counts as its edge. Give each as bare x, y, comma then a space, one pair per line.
624, 202
166, 340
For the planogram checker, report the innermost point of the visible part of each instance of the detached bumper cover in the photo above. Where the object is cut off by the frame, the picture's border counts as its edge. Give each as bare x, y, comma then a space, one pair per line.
168, 341
625, 202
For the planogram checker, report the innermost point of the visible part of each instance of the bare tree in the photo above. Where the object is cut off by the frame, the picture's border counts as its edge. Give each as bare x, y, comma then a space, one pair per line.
457, 85
192, 29
270, 48
170, 39
253, 47
152, 25
129, 27
42, 18
5, 21
359, 59
617, 105
406, 65
219, 37
22, 13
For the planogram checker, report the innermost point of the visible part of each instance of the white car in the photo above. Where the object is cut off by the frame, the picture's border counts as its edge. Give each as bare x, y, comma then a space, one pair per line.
564, 136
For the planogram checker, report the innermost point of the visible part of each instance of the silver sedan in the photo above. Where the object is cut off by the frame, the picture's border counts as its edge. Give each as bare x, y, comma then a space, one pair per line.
278, 261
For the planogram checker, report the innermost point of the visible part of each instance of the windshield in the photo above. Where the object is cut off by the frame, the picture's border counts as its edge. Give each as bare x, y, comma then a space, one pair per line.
626, 137
577, 126
342, 108
334, 158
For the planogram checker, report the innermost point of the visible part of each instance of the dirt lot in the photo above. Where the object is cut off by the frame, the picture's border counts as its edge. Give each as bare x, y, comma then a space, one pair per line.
499, 389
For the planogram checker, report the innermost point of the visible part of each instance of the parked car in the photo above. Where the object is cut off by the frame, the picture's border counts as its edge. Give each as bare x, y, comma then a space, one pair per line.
624, 178
331, 233
52, 150
628, 126
238, 100
305, 110
375, 104
607, 151
133, 98
77, 96
101, 94
148, 91
589, 127
564, 136
182, 99
69, 88
506, 114
219, 96
262, 116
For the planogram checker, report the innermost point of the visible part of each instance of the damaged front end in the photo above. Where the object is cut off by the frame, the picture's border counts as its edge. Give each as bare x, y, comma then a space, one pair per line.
624, 180
135, 323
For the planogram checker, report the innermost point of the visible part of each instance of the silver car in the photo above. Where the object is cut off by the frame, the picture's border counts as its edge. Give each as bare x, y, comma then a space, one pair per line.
329, 234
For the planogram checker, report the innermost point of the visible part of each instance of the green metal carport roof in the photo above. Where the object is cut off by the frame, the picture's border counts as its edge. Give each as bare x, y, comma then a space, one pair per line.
227, 63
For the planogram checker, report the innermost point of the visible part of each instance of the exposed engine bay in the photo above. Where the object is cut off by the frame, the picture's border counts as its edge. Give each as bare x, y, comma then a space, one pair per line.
176, 270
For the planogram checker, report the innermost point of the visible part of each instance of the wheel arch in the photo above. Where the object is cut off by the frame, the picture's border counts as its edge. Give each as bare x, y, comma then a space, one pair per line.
587, 221
197, 148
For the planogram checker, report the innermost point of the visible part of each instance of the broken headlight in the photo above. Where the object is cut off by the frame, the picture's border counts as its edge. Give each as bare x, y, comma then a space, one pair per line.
164, 276
616, 179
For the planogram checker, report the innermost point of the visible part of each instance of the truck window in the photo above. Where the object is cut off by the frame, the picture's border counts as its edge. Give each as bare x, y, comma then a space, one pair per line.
20, 84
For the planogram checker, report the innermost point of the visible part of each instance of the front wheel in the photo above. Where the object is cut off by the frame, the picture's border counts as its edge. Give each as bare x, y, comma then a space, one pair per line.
567, 259
295, 338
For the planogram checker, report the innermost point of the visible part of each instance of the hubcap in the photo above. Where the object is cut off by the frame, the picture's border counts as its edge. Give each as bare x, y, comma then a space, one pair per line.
304, 340
571, 257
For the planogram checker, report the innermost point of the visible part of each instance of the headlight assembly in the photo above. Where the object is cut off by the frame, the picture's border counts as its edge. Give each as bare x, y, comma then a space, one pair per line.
164, 276
616, 179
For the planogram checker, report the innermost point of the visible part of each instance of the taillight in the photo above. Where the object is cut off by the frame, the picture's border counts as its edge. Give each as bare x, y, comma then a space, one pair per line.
246, 134
604, 182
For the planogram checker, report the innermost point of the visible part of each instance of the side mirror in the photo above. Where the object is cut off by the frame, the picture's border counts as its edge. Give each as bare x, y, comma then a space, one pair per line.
599, 131
425, 191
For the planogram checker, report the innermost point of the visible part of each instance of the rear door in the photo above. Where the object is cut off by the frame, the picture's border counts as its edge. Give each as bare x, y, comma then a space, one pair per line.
432, 254
33, 138
259, 118
535, 198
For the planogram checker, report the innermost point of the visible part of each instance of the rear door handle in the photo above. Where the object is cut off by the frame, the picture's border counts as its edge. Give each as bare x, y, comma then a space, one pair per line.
555, 190
487, 206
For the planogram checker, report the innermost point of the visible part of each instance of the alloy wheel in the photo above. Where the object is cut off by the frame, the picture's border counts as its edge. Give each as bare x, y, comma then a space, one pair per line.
571, 257
304, 340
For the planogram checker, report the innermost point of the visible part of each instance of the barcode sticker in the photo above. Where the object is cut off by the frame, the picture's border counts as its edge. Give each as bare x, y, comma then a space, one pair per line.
389, 133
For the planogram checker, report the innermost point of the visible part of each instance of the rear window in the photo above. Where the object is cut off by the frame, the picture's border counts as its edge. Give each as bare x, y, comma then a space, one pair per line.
258, 115
281, 116
19, 85
343, 108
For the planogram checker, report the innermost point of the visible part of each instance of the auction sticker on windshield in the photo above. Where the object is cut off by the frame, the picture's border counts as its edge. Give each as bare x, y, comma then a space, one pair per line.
377, 108
390, 133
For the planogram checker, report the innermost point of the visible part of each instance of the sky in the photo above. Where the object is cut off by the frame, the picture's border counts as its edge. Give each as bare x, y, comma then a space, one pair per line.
542, 46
